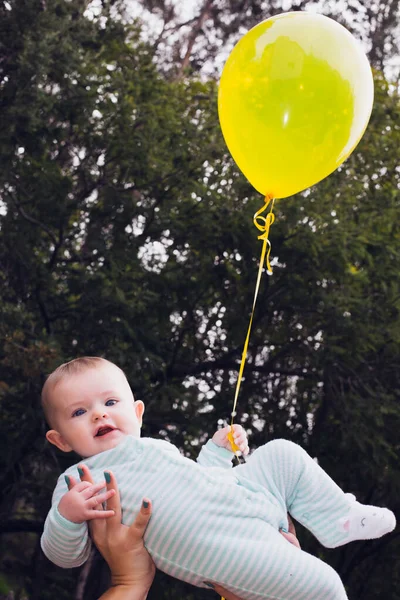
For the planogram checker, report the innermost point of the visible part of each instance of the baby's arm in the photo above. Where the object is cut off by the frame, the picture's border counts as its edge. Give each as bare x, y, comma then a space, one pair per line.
65, 540
218, 452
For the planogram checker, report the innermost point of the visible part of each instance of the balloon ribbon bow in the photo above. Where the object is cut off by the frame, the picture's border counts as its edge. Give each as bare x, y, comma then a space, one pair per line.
263, 224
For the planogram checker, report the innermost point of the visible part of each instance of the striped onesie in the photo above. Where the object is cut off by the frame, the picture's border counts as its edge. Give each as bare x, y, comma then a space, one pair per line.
215, 523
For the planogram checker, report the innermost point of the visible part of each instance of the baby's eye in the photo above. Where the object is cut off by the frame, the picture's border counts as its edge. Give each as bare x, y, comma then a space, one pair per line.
79, 412
111, 402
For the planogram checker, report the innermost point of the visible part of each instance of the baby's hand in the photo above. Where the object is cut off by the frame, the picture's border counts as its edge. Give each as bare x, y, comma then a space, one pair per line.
82, 502
220, 438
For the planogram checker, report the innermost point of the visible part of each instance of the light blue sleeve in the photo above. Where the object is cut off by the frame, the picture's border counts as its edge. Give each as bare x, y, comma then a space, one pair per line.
65, 543
212, 455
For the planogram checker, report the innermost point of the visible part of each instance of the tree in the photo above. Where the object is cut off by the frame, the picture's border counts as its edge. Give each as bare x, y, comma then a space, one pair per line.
189, 44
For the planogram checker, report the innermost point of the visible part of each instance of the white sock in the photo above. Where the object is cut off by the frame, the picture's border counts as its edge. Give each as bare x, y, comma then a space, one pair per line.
365, 522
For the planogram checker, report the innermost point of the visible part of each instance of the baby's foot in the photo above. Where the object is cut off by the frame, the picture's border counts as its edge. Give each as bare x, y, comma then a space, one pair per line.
365, 522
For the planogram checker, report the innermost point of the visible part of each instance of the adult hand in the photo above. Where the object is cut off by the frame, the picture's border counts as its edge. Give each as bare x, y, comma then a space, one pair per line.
224, 593
132, 569
291, 536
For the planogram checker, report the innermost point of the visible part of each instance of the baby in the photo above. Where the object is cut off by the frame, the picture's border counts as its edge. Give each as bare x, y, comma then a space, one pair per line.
210, 522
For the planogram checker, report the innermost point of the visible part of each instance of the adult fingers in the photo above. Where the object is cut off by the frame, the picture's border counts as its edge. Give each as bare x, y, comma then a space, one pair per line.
139, 525
223, 592
70, 481
98, 526
114, 502
292, 539
84, 473
292, 528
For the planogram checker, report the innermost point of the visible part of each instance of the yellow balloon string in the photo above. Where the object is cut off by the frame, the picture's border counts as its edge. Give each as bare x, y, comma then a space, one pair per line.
263, 224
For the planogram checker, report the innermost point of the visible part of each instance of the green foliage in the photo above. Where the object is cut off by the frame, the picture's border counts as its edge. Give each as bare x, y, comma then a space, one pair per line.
126, 231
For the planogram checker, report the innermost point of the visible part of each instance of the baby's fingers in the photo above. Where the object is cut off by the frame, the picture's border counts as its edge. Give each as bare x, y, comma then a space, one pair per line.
240, 439
243, 447
90, 491
80, 486
239, 433
99, 499
237, 429
99, 514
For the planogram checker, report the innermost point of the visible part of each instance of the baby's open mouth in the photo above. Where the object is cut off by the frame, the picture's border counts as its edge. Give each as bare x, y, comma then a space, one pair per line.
103, 431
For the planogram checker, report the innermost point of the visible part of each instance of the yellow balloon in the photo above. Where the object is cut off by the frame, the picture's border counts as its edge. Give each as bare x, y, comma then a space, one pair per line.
294, 100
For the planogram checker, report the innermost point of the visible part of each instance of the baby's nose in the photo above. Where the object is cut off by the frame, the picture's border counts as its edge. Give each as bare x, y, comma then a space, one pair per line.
99, 415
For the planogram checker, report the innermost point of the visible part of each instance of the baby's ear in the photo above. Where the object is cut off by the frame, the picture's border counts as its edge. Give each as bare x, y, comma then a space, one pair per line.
139, 410
56, 439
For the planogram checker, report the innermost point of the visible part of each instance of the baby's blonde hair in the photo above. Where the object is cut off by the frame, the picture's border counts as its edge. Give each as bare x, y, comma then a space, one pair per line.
77, 365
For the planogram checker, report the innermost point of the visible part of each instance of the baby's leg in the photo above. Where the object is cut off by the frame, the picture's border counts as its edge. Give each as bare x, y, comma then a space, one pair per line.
273, 569
312, 497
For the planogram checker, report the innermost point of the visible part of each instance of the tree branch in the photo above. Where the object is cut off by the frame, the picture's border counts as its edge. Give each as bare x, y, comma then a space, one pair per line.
32, 220
204, 14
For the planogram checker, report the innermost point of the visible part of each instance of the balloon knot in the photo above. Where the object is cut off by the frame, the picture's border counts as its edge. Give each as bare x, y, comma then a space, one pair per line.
263, 224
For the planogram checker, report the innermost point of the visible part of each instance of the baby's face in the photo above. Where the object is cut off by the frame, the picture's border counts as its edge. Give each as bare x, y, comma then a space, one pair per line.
93, 411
